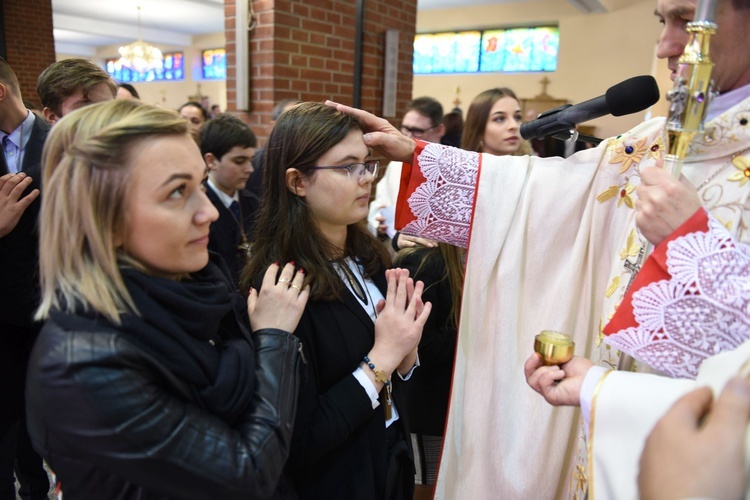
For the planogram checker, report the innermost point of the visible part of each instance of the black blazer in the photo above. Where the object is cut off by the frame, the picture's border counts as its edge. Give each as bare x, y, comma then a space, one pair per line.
340, 448
428, 390
19, 249
224, 234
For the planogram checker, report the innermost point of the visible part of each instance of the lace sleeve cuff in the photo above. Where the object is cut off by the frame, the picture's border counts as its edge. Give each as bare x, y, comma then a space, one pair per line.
697, 310
437, 194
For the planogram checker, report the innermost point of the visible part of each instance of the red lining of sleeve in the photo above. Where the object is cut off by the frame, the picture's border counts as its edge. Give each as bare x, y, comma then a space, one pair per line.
411, 179
654, 269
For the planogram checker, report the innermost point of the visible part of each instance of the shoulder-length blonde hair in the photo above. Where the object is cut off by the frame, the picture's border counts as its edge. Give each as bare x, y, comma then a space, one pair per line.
86, 171
477, 116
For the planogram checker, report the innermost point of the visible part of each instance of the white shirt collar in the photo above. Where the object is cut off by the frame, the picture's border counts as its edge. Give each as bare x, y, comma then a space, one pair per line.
727, 100
225, 198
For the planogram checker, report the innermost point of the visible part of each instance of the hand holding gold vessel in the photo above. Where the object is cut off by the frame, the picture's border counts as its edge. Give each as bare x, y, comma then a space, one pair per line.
554, 372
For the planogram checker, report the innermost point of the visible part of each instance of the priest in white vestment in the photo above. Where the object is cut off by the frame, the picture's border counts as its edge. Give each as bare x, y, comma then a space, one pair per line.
690, 321
552, 245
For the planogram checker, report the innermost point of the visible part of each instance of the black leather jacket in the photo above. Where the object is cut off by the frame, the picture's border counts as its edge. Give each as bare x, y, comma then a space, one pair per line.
113, 423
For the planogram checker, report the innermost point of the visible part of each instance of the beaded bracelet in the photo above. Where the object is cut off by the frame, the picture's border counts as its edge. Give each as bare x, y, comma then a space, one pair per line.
380, 377
379, 374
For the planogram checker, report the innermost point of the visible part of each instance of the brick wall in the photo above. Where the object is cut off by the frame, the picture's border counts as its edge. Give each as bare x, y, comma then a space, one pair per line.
29, 42
305, 50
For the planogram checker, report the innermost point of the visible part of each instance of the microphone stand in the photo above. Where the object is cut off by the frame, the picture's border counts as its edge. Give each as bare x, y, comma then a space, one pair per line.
573, 136
564, 130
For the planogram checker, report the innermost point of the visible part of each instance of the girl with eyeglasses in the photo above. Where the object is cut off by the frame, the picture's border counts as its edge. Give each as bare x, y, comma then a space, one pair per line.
362, 324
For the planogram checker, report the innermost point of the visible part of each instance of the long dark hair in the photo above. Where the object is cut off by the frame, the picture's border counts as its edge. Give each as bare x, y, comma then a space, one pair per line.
454, 271
285, 230
477, 116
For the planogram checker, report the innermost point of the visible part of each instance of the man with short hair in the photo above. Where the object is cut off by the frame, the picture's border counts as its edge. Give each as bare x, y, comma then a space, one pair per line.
228, 147
22, 135
71, 84
423, 120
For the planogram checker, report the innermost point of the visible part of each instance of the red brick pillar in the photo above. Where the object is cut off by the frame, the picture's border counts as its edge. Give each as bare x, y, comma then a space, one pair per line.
306, 50
29, 41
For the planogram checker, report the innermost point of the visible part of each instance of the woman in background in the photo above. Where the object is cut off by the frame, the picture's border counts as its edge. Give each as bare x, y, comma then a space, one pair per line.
350, 439
493, 124
145, 381
196, 115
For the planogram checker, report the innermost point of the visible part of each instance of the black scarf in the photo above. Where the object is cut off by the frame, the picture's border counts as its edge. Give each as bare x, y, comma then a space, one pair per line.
197, 328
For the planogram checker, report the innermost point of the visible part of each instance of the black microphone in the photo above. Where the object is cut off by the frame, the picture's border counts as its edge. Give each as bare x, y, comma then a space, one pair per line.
630, 96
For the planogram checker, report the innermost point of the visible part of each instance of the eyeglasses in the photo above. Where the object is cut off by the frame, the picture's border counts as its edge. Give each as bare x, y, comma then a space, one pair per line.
356, 170
415, 132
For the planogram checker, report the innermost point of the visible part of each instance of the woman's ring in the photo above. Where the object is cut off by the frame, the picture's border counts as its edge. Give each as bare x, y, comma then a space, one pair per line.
285, 280
296, 287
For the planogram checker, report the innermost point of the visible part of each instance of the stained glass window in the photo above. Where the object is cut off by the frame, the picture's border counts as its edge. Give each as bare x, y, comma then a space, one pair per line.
214, 64
173, 69
447, 52
501, 50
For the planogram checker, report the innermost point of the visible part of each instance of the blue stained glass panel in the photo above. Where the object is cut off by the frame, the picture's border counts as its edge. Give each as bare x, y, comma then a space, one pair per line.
447, 52
173, 69
214, 64
520, 49
500, 50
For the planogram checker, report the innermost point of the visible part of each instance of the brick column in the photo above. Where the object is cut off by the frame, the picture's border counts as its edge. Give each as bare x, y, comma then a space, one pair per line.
29, 41
305, 50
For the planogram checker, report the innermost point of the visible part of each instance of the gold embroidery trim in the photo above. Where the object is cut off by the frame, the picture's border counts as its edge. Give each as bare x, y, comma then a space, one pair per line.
590, 442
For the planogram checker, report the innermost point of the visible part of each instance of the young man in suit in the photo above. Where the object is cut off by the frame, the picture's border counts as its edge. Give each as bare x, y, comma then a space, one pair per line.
22, 135
63, 87
228, 146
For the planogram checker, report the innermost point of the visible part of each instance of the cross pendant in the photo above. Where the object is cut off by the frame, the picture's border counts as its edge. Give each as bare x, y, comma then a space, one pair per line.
634, 267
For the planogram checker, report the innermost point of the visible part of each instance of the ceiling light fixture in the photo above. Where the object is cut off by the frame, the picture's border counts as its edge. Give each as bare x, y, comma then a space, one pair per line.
140, 56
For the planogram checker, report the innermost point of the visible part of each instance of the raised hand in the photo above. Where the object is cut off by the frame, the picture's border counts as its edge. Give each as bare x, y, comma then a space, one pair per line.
281, 303
398, 327
12, 205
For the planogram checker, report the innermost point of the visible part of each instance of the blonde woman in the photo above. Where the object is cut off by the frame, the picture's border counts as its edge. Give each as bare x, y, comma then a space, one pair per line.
145, 380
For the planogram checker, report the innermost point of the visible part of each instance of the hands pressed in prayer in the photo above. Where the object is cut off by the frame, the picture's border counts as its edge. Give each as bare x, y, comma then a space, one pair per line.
401, 318
560, 385
380, 135
12, 205
697, 449
664, 203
